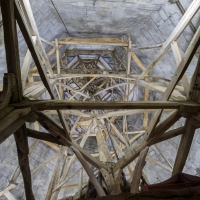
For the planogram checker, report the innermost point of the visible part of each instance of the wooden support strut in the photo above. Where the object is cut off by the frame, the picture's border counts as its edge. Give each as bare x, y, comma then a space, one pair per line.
184, 146
90, 173
138, 171
13, 66
40, 105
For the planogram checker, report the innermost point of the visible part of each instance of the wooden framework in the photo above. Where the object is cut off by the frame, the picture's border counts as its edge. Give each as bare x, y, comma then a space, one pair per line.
83, 89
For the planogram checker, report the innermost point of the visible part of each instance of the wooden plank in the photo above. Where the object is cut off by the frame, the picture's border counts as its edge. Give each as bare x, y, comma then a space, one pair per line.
36, 58
35, 105
138, 171
25, 68
170, 134
78, 52
184, 146
80, 183
23, 151
94, 41
47, 42
177, 55
185, 20
194, 44
104, 154
146, 98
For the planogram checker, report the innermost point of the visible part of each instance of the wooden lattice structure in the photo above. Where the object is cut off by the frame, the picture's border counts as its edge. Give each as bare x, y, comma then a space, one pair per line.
81, 89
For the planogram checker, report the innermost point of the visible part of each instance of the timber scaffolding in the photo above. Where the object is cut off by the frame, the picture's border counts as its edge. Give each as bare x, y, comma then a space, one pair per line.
84, 85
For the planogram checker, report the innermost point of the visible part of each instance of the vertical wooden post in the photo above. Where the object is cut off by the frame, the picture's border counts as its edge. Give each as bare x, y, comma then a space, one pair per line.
13, 66
90, 173
80, 183
23, 151
146, 98
11, 43
138, 171
184, 147
104, 154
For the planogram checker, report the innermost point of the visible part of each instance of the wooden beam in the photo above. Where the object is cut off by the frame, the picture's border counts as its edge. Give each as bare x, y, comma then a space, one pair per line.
177, 55
28, 15
176, 95
94, 41
138, 171
25, 68
42, 136
90, 173
79, 52
104, 154
58, 132
185, 20
11, 44
23, 151
170, 134
38, 105
194, 44
184, 146
134, 152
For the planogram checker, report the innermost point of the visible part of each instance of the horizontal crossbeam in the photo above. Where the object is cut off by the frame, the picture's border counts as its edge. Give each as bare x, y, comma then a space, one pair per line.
39, 105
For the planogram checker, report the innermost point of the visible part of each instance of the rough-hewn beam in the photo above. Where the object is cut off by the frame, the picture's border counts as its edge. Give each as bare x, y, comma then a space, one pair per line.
32, 48
23, 151
184, 146
43, 136
39, 105
138, 171
94, 41
11, 43
90, 173
70, 52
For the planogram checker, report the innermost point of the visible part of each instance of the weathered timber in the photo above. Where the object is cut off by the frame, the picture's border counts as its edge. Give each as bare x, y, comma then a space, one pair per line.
11, 44
184, 146
43, 136
90, 173
194, 44
134, 151
185, 20
23, 151
39, 105
138, 171
58, 132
